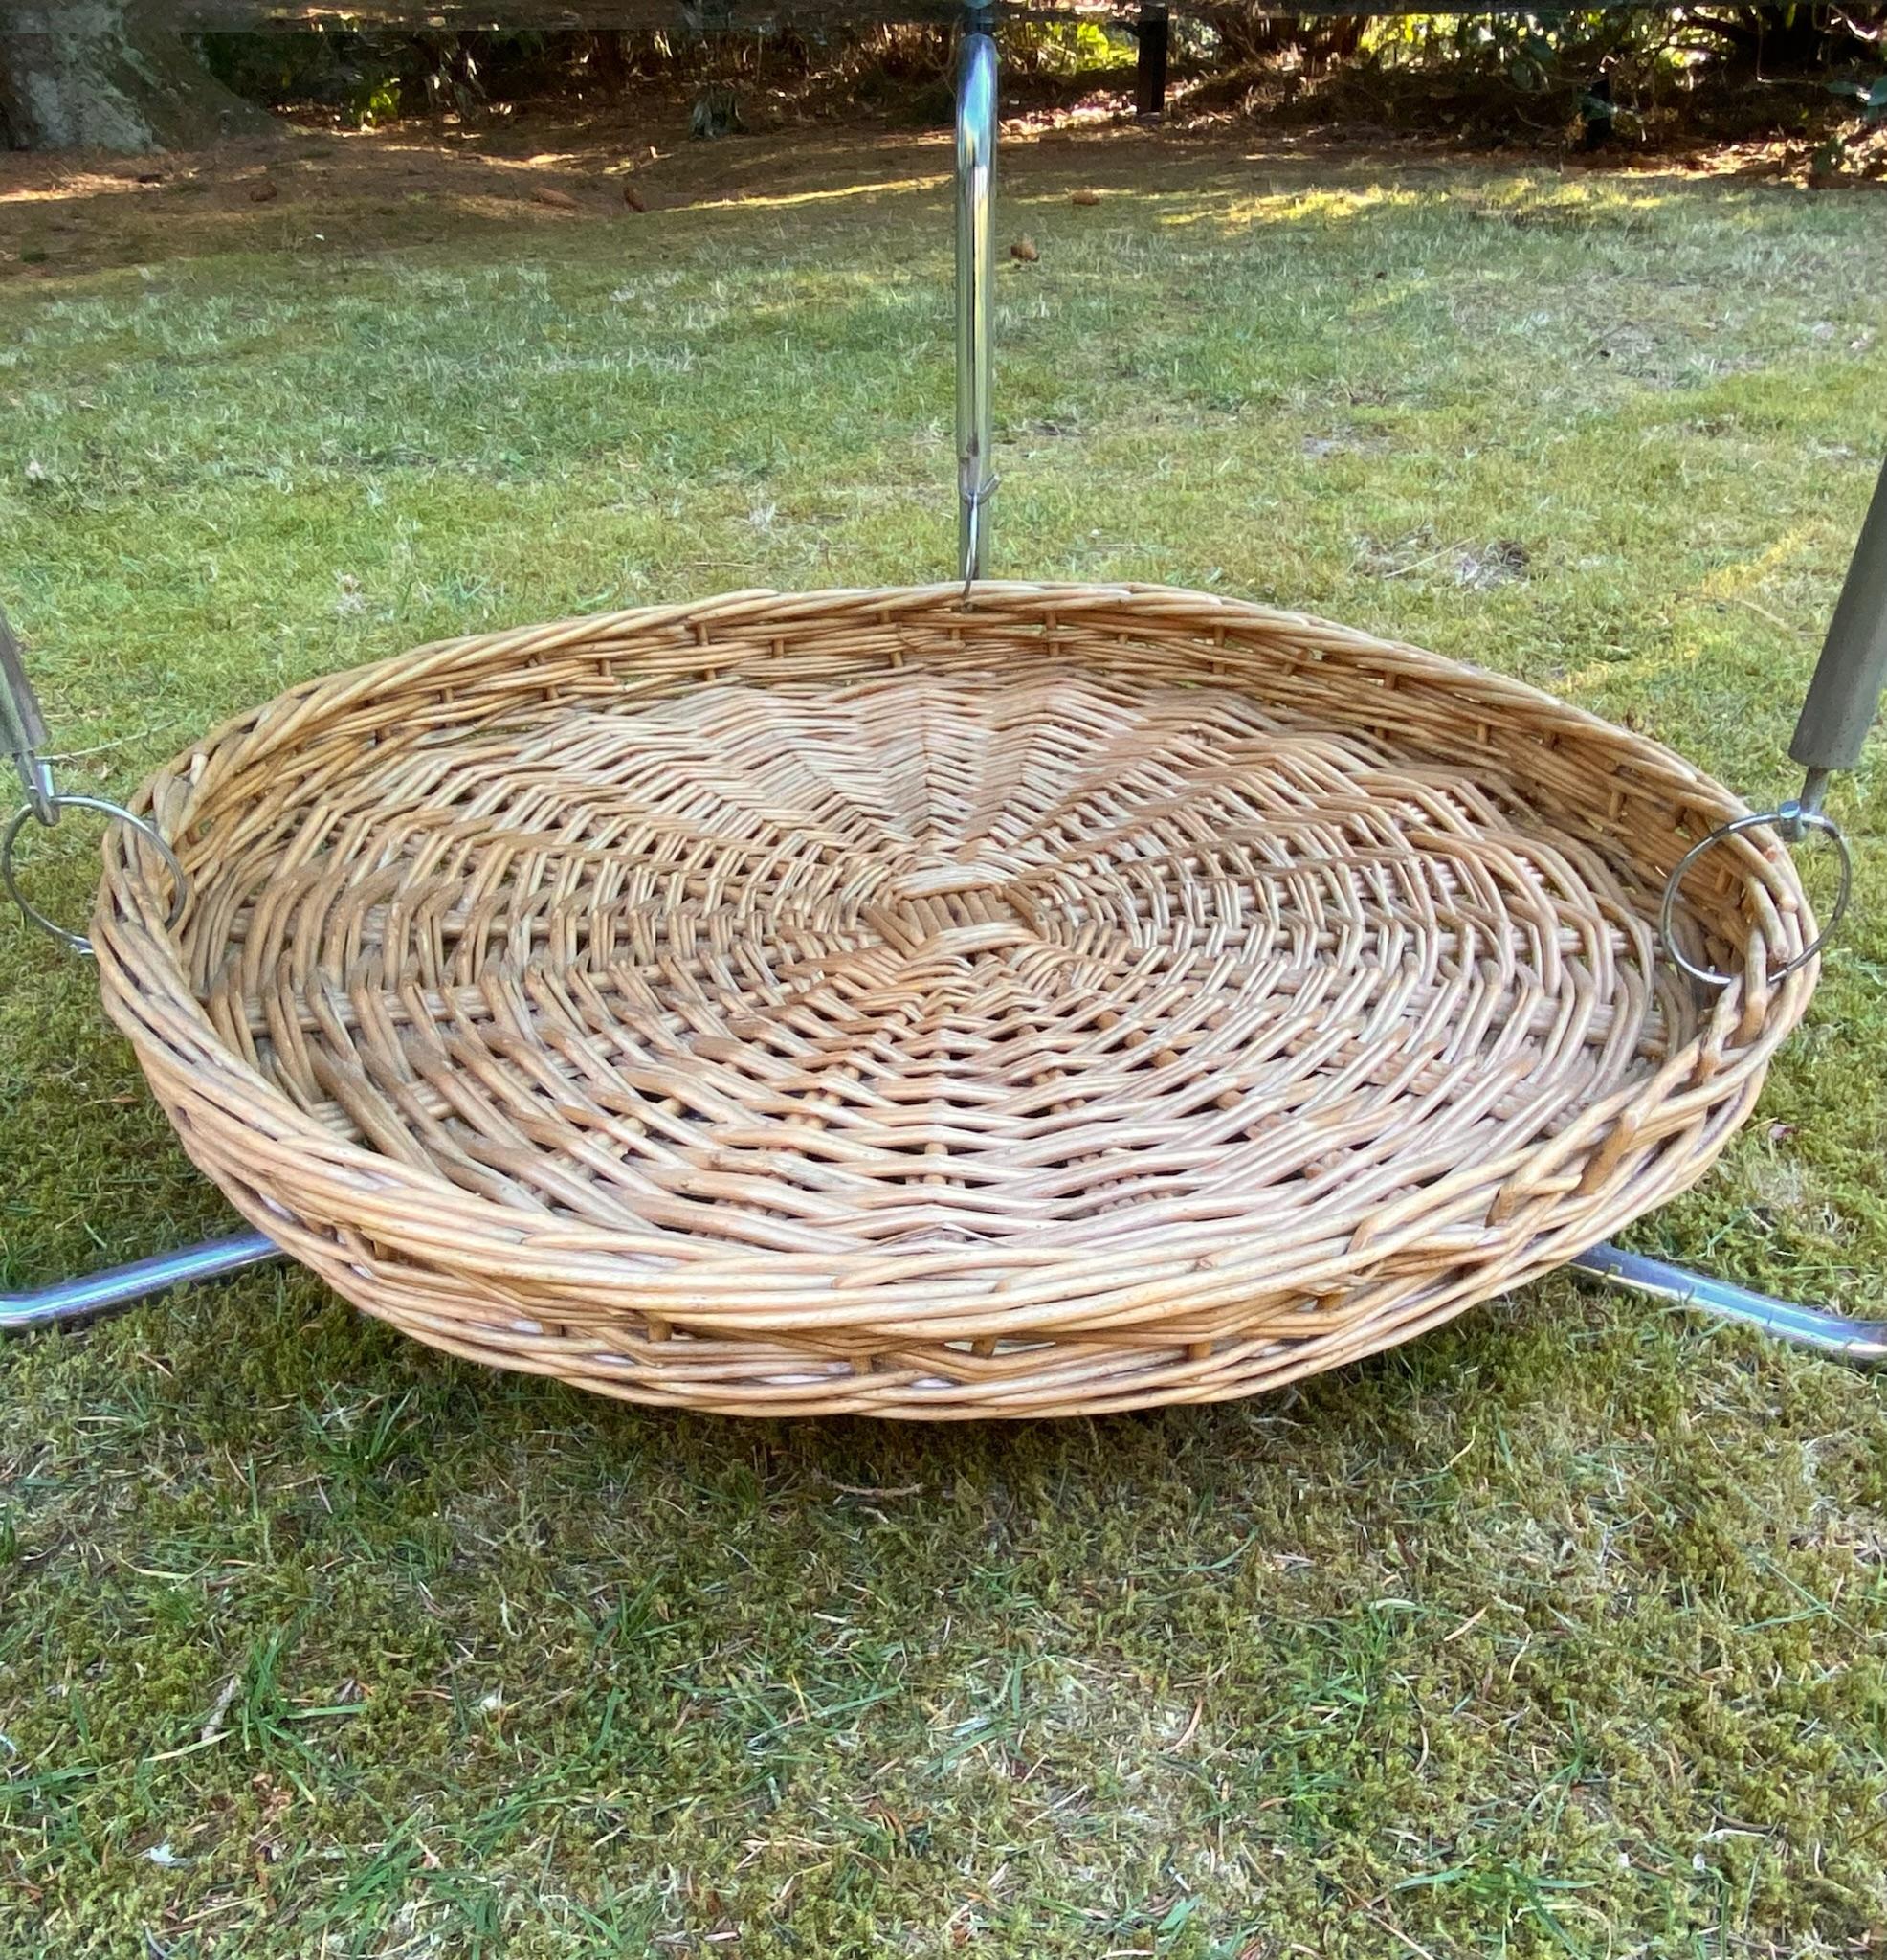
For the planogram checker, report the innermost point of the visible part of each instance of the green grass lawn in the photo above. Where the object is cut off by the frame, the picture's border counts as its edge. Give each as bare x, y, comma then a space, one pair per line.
1561, 1632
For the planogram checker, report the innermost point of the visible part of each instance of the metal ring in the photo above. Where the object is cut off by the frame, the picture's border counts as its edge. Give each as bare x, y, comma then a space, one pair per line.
145, 827
1791, 817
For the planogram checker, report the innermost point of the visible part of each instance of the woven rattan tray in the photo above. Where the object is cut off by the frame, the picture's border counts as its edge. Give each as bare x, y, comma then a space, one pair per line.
1080, 998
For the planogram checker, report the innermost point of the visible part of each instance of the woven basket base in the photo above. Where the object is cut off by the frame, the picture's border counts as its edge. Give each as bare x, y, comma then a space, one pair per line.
1089, 999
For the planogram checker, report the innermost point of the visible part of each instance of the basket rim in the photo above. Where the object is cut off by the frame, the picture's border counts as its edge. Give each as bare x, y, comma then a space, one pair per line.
753, 604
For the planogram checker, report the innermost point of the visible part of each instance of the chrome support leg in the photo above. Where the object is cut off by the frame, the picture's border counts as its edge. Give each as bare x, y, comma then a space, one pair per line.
117, 1287
1805, 1327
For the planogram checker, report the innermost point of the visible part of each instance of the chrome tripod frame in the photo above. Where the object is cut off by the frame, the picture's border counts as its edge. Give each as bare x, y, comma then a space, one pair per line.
1841, 708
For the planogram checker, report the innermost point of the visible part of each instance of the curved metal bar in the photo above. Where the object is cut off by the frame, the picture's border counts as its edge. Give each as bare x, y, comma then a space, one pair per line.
976, 296
1805, 1327
120, 1286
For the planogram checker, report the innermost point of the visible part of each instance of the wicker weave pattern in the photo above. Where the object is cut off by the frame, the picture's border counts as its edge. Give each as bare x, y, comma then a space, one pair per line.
1092, 998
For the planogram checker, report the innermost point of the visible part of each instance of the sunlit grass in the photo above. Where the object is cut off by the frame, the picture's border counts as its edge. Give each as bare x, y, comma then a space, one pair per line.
1558, 1633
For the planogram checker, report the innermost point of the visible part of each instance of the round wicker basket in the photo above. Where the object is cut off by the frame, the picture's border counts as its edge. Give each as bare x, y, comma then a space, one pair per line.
1074, 999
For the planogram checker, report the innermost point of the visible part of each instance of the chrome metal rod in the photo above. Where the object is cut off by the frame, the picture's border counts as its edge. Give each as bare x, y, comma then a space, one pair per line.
23, 728
120, 1287
1844, 696
1806, 1326
976, 296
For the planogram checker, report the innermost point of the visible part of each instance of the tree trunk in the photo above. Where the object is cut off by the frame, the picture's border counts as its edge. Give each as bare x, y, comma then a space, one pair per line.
109, 74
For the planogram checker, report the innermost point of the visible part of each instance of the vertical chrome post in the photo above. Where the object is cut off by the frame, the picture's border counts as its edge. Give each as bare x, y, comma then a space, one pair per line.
976, 292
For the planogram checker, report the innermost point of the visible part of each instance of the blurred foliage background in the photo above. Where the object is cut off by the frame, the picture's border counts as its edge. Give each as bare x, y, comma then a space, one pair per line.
1593, 77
